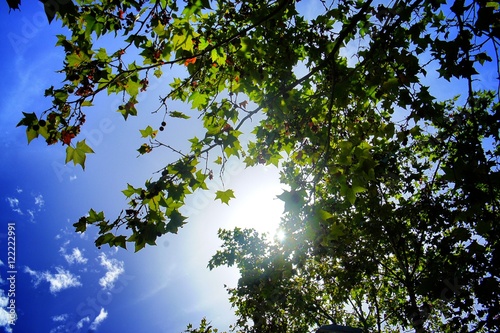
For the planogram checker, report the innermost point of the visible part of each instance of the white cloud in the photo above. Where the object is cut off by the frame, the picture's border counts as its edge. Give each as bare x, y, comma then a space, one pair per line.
61, 280
114, 269
62, 317
5, 318
99, 319
34, 274
75, 257
31, 214
103, 314
39, 202
14, 204
58, 329
79, 325
58, 281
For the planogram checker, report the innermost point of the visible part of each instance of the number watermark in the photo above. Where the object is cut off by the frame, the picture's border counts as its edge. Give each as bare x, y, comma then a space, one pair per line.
11, 272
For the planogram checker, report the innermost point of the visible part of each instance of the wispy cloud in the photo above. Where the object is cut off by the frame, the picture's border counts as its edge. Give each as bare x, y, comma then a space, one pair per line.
5, 318
14, 205
75, 257
113, 270
82, 321
99, 319
39, 202
58, 329
58, 281
31, 214
61, 317
69, 232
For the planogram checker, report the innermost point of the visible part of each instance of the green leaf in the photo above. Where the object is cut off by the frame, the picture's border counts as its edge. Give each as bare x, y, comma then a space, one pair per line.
351, 196
102, 55
120, 241
224, 196
77, 59
158, 73
28, 120
177, 114
132, 86
293, 200
139, 244
144, 149
159, 29
324, 215
63, 8
78, 154
183, 40
198, 100
148, 131
131, 191
49, 10
31, 134
176, 222
217, 57
81, 225
105, 239
128, 109
336, 230
493, 4
95, 217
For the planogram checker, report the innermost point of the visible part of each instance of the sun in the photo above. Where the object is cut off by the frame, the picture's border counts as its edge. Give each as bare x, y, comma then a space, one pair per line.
280, 235
257, 206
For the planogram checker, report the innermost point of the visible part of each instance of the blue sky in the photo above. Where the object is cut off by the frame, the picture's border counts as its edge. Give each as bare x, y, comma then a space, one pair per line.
62, 282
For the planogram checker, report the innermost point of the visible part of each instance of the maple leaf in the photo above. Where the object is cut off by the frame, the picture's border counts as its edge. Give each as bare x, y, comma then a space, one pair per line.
224, 196
190, 61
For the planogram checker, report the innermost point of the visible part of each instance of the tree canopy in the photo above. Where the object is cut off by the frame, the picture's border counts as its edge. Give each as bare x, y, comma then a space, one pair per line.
392, 206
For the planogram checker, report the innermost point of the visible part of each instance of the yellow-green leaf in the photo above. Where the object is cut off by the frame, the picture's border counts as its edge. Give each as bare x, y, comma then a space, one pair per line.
78, 154
224, 196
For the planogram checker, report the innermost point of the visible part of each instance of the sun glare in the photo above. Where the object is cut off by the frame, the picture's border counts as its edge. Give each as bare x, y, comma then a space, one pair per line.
280, 235
258, 207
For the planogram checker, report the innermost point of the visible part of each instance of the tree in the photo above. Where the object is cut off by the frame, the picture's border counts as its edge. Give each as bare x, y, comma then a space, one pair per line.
390, 217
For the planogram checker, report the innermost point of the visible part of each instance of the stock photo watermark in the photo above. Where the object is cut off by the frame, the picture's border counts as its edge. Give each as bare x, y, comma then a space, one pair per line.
11, 272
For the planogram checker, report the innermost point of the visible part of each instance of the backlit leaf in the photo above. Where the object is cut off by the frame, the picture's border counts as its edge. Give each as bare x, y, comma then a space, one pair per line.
224, 196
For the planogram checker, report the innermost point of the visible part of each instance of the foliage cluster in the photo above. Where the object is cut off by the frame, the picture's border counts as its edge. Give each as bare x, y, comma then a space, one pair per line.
391, 217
